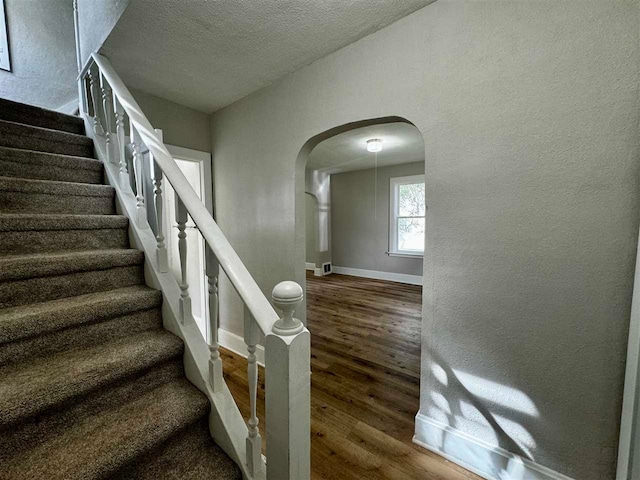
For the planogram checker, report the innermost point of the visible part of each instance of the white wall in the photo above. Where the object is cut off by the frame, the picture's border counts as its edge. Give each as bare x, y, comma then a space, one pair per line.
529, 112
43, 56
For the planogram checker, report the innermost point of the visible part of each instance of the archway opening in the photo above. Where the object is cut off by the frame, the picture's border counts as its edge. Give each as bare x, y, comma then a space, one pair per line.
365, 207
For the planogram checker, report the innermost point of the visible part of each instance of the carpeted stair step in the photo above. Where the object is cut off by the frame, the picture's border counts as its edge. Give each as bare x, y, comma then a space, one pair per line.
41, 428
16, 162
19, 135
40, 233
19, 195
36, 278
26, 389
39, 117
189, 455
102, 444
40, 329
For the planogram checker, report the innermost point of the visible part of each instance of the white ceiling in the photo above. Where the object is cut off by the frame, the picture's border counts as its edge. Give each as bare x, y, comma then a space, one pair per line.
206, 54
345, 152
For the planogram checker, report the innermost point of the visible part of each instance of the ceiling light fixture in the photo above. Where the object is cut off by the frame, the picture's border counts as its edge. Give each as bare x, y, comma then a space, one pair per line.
374, 145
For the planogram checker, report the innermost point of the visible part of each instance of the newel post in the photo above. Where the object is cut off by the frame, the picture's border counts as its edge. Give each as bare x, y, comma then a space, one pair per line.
288, 389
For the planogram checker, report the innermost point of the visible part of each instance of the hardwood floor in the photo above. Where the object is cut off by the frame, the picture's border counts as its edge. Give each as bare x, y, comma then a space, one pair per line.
365, 362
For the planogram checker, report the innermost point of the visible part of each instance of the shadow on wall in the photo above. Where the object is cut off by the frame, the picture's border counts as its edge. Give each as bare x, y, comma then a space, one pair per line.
470, 405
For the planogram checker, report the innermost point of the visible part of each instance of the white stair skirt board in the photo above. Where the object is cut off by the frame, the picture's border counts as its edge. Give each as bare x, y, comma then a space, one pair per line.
488, 461
392, 277
235, 343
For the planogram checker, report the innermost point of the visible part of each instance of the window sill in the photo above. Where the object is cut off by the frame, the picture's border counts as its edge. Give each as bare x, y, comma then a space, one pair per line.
405, 255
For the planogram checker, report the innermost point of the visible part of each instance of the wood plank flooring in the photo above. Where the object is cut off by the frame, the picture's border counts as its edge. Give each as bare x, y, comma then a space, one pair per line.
365, 362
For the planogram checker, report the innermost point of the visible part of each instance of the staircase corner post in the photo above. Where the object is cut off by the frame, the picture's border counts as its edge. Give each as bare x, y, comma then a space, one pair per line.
288, 389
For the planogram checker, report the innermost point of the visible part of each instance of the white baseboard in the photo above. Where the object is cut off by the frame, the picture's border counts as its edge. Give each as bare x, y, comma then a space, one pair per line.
488, 461
310, 266
392, 277
236, 344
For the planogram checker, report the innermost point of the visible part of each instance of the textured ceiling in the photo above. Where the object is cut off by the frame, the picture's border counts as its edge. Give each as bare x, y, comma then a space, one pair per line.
345, 152
206, 54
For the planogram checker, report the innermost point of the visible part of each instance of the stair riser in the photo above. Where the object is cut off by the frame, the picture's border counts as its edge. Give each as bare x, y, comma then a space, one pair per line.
36, 430
84, 335
49, 172
20, 136
42, 289
27, 202
44, 241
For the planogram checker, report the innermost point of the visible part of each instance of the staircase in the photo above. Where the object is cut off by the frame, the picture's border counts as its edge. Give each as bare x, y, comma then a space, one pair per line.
91, 386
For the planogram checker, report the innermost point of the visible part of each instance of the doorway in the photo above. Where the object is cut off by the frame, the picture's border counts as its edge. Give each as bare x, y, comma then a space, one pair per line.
196, 167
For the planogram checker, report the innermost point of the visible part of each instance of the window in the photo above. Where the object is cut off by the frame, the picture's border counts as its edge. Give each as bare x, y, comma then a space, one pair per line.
406, 226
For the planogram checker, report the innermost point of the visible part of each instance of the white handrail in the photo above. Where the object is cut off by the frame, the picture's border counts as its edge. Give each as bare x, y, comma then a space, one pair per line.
286, 342
245, 285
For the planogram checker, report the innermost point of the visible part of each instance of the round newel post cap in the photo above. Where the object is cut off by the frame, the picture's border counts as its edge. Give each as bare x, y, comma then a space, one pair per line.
287, 296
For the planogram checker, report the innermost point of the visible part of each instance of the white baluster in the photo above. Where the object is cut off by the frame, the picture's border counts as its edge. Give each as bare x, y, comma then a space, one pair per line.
185, 299
161, 249
254, 440
121, 157
138, 172
288, 389
215, 362
107, 105
96, 97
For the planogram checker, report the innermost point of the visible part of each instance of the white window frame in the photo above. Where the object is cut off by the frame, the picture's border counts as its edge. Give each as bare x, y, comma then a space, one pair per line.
394, 191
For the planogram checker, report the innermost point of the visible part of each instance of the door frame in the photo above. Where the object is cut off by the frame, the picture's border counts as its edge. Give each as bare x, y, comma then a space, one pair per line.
206, 167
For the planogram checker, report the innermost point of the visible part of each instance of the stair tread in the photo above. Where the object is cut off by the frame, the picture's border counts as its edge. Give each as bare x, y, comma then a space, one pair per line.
11, 222
27, 389
24, 222
34, 115
35, 157
16, 267
54, 187
190, 455
103, 443
45, 133
22, 135
26, 321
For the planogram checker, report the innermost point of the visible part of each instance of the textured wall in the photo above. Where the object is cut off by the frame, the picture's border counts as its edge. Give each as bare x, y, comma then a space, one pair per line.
181, 126
43, 56
360, 232
96, 19
529, 113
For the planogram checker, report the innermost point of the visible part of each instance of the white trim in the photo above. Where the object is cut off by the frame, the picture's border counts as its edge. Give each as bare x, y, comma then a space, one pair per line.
629, 442
235, 343
204, 158
317, 272
394, 184
406, 255
392, 277
488, 461
310, 266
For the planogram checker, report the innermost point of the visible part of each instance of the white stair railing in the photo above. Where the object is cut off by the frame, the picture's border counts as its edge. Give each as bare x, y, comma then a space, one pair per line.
107, 104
